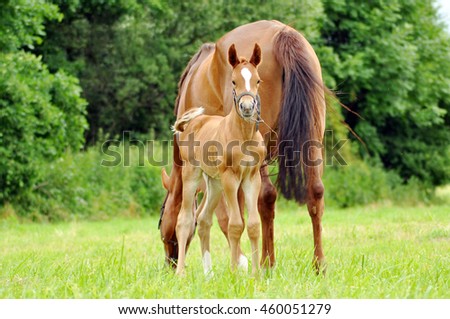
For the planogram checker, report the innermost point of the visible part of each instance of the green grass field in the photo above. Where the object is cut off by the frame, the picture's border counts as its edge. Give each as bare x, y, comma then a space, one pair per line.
372, 252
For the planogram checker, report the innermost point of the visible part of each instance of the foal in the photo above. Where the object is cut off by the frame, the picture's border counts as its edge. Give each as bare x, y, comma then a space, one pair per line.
228, 151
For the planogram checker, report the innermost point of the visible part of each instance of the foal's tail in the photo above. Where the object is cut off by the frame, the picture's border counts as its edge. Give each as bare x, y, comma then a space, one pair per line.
180, 124
301, 118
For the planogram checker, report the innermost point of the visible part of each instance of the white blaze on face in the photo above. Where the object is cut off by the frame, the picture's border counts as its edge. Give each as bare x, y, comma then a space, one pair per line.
247, 75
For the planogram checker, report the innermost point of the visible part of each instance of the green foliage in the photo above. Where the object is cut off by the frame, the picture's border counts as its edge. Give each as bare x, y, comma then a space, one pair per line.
128, 55
78, 186
360, 184
389, 60
22, 22
392, 61
41, 114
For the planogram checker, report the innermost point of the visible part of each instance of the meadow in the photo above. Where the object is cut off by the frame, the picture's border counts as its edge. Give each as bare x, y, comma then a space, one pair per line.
379, 251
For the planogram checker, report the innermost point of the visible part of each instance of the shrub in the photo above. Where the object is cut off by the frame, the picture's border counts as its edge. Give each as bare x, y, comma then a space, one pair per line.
362, 183
77, 186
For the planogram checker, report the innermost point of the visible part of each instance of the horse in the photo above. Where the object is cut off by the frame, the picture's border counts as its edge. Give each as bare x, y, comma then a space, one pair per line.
293, 109
238, 151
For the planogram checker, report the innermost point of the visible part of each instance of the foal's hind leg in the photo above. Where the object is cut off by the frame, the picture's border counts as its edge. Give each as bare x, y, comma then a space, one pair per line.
222, 218
266, 207
185, 223
204, 221
230, 185
252, 185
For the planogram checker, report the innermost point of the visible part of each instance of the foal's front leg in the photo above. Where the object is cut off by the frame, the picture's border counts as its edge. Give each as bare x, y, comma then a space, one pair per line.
230, 184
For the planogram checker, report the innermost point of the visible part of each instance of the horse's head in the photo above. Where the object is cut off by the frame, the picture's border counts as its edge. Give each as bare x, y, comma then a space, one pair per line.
245, 80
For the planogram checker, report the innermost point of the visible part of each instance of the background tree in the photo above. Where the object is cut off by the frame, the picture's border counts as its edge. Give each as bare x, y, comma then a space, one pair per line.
389, 60
392, 64
129, 55
41, 113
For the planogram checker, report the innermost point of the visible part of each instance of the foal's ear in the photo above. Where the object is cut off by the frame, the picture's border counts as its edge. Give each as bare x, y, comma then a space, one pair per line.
233, 58
256, 56
165, 179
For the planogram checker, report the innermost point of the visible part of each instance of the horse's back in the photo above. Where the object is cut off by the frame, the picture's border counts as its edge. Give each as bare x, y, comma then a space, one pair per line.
209, 79
245, 36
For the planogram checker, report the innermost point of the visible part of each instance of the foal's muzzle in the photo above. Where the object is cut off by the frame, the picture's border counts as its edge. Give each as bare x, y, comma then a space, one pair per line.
247, 107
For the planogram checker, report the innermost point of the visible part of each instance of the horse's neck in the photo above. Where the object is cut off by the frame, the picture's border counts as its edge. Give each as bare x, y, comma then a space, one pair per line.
218, 80
212, 74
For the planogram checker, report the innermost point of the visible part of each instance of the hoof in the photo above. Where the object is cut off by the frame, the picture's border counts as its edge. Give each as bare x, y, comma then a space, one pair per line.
320, 265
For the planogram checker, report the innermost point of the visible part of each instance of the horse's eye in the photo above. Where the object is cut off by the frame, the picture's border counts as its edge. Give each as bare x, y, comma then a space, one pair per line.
234, 83
259, 81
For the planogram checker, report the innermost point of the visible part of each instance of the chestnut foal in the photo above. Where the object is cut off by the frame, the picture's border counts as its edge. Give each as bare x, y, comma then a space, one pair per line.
228, 152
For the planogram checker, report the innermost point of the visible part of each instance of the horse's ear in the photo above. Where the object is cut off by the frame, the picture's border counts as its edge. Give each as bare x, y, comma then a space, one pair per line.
256, 56
233, 58
165, 179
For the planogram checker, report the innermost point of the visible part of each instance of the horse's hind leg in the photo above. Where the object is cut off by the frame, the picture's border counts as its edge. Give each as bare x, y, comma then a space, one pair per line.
266, 207
315, 203
204, 221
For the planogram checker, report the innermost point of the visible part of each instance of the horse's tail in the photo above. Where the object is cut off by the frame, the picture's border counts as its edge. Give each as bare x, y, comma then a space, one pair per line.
205, 48
301, 118
180, 124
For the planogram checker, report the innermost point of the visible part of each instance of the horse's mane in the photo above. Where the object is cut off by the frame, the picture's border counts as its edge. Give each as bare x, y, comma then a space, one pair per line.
204, 48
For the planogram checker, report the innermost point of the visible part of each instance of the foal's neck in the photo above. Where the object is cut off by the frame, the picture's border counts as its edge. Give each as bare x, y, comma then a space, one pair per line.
235, 123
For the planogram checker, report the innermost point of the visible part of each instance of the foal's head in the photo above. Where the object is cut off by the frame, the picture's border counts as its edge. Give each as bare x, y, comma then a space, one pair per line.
245, 80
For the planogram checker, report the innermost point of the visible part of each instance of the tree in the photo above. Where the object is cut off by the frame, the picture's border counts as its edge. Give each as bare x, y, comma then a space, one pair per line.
41, 113
392, 62
129, 55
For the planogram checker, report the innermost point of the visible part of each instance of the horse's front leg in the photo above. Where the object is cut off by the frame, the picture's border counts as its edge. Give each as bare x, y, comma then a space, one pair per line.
230, 184
186, 223
252, 185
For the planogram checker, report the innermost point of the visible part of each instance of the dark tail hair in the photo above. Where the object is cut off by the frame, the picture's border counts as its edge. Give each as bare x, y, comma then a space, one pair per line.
301, 116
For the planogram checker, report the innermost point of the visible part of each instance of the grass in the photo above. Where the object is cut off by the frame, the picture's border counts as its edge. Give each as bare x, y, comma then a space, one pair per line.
372, 252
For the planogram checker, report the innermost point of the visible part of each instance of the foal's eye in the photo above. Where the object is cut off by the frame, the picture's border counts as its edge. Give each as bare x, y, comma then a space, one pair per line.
259, 81
234, 83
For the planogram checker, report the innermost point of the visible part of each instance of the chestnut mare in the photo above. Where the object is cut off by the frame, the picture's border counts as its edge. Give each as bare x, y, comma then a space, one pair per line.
293, 110
228, 153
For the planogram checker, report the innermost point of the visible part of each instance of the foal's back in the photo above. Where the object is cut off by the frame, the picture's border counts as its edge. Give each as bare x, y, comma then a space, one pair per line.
217, 147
